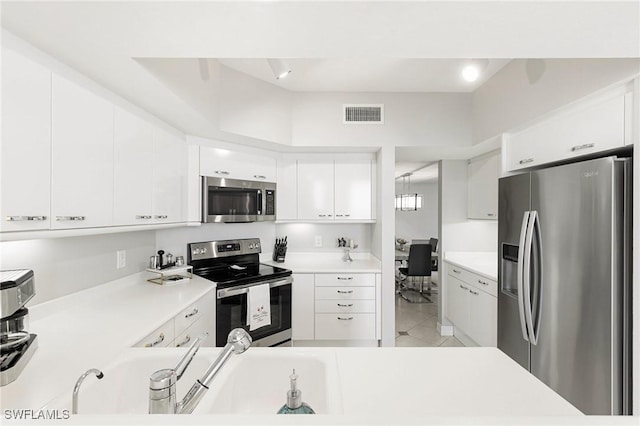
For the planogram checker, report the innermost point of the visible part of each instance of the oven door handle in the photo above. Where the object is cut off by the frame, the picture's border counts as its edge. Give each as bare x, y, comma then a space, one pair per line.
234, 291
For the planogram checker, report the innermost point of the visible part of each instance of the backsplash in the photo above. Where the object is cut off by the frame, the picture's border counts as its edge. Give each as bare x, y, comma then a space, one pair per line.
66, 265
302, 236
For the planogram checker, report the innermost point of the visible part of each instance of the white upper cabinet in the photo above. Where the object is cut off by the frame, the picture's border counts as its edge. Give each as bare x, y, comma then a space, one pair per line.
591, 127
223, 163
133, 169
482, 188
353, 190
315, 190
81, 157
25, 192
287, 190
169, 177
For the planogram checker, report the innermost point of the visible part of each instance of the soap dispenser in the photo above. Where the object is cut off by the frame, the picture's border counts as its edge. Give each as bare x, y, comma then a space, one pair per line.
294, 403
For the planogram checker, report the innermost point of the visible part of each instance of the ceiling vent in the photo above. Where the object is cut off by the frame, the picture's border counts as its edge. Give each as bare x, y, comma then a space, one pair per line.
363, 114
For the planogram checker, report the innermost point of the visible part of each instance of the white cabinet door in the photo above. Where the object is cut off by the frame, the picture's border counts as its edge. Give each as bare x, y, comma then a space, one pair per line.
133, 169
353, 190
81, 157
347, 326
315, 190
169, 177
483, 187
218, 162
302, 307
26, 144
458, 303
287, 190
483, 315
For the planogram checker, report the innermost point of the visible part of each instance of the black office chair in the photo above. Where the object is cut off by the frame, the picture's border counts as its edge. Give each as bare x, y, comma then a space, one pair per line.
419, 266
434, 259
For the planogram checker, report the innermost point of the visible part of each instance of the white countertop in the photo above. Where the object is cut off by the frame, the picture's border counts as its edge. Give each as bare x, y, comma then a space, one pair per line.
482, 263
329, 262
89, 328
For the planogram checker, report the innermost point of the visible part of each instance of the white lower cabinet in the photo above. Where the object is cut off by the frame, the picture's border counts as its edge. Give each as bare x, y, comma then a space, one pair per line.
472, 305
197, 320
302, 298
345, 326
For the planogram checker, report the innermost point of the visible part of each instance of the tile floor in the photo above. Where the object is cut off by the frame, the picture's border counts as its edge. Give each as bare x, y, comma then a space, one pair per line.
416, 325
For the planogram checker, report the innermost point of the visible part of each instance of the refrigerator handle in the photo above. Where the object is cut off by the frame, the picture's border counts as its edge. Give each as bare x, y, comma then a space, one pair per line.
535, 325
521, 252
526, 282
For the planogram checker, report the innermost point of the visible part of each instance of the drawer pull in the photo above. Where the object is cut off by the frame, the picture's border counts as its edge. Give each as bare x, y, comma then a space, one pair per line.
155, 343
143, 216
221, 172
483, 282
161, 216
526, 160
491, 214
348, 305
474, 292
345, 278
339, 215
345, 292
322, 215
456, 271
186, 340
345, 319
259, 176
463, 287
580, 147
192, 313
24, 218
70, 218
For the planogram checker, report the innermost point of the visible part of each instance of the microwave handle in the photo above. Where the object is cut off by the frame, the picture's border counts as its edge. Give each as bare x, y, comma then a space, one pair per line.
260, 205
235, 291
205, 198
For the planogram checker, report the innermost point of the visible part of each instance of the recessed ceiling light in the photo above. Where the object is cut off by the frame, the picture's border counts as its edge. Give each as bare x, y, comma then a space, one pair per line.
279, 67
471, 73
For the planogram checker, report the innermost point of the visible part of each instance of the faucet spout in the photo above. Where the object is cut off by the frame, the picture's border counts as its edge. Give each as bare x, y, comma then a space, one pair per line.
162, 390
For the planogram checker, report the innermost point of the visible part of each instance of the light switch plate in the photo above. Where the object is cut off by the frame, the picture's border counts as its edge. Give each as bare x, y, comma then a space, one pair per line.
121, 256
318, 241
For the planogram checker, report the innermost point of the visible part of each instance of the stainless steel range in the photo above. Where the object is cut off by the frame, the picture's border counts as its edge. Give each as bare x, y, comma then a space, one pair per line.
234, 265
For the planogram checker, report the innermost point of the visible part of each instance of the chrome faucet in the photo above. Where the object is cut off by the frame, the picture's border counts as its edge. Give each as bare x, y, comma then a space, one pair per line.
162, 384
76, 388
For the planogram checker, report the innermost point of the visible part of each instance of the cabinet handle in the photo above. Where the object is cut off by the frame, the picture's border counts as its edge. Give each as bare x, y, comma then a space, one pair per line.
186, 340
491, 214
159, 340
474, 292
25, 218
259, 176
585, 146
329, 215
345, 278
161, 216
345, 319
345, 292
339, 215
483, 282
347, 215
70, 218
143, 216
526, 160
322, 215
456, 271
348, 305
221, 172
192, 313
464, 288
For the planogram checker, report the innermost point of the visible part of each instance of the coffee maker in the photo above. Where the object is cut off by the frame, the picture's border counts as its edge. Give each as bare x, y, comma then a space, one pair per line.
17, 345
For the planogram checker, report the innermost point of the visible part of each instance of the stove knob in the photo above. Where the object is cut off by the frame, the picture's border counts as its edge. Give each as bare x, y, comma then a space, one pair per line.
257, 245
250, 246
204, 250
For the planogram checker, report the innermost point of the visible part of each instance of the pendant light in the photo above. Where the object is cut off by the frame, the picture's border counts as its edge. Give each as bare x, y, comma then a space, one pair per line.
408, 201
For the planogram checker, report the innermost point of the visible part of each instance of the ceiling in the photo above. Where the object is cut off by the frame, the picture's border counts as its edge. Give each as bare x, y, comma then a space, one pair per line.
368, 74
362, 45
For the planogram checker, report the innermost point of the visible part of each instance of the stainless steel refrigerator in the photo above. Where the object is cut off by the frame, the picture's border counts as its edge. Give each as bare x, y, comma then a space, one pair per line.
564, 305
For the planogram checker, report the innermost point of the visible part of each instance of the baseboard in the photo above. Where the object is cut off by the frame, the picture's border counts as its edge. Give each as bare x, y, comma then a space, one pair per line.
445, 330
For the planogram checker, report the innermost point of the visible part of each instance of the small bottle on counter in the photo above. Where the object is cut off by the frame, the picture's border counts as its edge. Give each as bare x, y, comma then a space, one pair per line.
294, 403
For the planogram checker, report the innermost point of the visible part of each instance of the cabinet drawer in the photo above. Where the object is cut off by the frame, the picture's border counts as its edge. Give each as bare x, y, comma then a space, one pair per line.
202, 308
345, 326
328, 280
476, 280
339, 306
161, 337
198, 329
345, 293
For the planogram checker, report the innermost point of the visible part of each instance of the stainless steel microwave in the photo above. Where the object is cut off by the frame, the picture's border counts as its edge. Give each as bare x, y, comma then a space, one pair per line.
233, 200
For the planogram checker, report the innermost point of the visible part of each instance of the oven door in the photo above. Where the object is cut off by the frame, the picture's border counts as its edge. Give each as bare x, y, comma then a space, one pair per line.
231, 312
231, 200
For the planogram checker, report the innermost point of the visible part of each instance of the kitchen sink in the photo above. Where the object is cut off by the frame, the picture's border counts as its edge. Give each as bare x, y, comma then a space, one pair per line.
255, 382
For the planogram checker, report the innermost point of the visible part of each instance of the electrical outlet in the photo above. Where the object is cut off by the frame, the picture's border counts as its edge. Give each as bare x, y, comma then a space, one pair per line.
121, 256
318, 241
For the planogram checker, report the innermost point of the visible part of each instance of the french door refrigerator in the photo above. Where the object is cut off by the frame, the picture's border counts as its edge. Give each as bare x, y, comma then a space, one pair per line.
564, 305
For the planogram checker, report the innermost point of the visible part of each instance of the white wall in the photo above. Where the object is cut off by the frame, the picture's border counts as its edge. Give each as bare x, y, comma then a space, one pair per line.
423, 223
526, 89
301, 236
409, 119
66, 265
